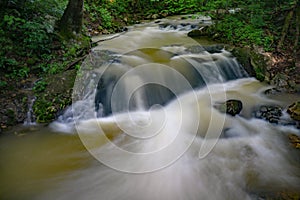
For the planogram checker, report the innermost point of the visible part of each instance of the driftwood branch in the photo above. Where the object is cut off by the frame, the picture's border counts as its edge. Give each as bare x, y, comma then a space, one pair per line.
105, 39
72, 64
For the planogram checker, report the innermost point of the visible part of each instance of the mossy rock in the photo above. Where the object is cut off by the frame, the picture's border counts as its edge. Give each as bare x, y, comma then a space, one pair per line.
295, 140
195, 33
244, 58
203, 31
259, 64
294, 111
254, 63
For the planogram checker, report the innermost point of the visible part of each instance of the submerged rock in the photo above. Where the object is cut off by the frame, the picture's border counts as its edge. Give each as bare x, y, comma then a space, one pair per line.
271, 114
232, 107
294, 111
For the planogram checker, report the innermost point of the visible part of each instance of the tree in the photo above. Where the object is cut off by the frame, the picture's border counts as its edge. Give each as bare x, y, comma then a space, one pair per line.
71, 21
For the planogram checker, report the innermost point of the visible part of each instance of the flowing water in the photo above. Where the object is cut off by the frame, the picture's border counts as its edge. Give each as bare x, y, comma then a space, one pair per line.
143, 125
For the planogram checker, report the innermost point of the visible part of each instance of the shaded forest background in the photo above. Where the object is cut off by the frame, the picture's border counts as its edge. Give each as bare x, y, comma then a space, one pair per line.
32, 41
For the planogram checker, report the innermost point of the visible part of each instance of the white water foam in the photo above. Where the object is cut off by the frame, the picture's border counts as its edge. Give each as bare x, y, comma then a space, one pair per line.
250, 157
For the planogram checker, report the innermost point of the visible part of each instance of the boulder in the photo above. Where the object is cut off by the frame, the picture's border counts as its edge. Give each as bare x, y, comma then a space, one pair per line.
232, 107
294, 111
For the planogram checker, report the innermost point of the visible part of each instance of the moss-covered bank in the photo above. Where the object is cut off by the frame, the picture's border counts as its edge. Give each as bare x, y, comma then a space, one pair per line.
55, 97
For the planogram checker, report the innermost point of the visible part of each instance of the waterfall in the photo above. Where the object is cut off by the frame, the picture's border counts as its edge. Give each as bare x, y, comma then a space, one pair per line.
144, 107
139, 82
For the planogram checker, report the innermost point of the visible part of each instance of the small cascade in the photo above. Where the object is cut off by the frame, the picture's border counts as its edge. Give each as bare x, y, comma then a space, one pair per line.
30, 118
186, 23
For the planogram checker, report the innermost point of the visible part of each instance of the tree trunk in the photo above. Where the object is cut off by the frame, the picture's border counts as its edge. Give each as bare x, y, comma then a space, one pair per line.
71, 21
296, 47
285, 28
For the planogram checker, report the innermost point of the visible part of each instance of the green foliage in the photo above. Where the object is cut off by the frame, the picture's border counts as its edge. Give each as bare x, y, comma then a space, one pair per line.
97, 12
180, 6
217, 4
27, 34
110, 13
235, 30
46, 107
106, 17
254, 23
40, 86
3, 84
31, 34
44, 110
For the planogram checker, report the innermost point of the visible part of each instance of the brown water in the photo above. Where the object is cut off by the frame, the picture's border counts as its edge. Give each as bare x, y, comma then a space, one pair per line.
39, 163
34, 160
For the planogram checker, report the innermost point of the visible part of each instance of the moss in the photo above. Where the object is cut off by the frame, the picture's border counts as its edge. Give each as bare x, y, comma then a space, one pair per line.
56, 96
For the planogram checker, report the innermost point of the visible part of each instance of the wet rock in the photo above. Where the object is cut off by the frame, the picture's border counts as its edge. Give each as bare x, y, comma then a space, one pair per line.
167, 25
295, 140
153, 16
272, 91
275, 115
164, 14
271, 114
181, 26
232, 107
294, 111
214, 48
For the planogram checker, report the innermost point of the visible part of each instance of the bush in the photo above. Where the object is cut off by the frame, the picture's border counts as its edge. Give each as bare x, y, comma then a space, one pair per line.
26, 33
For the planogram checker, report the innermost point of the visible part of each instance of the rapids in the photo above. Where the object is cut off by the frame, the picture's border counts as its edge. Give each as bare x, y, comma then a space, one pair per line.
143, 125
